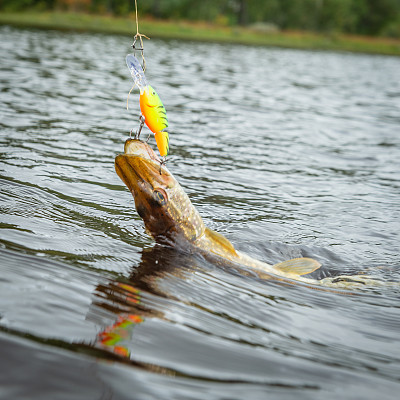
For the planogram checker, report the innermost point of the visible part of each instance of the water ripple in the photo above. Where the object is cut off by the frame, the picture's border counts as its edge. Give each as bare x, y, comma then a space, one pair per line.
287, 153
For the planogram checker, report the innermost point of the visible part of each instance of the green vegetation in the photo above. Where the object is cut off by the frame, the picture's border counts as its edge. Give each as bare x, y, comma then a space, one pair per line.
312, 24
369, 17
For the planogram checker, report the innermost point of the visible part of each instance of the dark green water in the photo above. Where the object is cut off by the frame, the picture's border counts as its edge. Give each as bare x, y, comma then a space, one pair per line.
287, 153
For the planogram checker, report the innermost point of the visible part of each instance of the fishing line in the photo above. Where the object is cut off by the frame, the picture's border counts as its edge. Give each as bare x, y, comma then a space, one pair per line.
141, 49
140, 36
127, 99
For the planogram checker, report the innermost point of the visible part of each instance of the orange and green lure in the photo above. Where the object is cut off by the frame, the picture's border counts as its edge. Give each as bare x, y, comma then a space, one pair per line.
151, 105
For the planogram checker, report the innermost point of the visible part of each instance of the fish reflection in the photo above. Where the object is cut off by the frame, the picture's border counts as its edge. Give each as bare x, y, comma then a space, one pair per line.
130, 300
144, 294
129, 303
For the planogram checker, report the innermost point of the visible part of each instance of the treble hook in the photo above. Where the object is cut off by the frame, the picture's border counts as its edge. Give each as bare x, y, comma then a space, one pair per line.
163, 162
141, 119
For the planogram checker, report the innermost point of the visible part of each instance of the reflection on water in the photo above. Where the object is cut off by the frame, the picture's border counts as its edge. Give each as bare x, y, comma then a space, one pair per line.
287, 153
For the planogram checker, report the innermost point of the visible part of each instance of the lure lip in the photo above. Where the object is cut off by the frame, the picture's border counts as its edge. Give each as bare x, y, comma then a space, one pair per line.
137, 72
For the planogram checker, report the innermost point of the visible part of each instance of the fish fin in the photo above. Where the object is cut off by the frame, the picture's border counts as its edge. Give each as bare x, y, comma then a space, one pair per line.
220, 240
298, 266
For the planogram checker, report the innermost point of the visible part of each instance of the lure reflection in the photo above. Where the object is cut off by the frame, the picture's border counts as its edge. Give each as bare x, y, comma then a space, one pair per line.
129, 302
116, 337
113, 337
151, 106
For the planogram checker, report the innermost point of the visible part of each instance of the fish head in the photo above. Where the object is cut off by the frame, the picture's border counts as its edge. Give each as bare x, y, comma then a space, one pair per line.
167, 212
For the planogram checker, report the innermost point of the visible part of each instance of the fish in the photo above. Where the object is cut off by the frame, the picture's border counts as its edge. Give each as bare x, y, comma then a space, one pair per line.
171, 219
151, 106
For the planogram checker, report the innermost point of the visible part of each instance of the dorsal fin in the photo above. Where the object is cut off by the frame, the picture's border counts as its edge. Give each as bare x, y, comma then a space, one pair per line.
220, 240
298, 266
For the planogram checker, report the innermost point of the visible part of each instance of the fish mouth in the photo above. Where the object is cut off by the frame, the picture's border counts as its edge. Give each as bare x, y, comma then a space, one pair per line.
164, 207
140, 168
126, 167
136, 147
148, 181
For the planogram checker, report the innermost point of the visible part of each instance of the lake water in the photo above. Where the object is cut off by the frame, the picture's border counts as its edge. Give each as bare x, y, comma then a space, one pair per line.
287, 153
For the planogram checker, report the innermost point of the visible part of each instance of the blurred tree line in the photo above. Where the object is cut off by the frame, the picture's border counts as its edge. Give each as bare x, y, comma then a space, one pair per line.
371, 17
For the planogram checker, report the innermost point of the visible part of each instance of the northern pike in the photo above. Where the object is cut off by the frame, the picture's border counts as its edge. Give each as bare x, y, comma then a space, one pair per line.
170, 217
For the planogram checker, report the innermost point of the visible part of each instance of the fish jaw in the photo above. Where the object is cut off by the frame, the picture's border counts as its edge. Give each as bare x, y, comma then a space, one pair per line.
136, 172
166, 210
138, 148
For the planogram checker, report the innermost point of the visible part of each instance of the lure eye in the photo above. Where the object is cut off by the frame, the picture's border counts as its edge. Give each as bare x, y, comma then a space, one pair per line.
154, 93
160, 196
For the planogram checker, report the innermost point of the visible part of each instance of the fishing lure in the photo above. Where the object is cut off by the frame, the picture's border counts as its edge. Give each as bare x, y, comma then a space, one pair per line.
151, 106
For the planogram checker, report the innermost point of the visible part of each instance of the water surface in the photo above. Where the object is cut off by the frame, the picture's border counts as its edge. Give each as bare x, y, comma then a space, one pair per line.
287, 153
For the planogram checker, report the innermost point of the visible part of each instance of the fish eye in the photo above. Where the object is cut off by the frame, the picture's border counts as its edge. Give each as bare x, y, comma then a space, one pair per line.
154, 93
160, 196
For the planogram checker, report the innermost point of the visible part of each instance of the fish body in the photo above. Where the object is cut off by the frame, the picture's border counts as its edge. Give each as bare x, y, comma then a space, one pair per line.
151, 105
170, 218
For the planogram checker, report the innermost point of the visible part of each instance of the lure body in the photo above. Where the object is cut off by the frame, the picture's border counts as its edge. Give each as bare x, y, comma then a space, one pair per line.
153, 110
151, 105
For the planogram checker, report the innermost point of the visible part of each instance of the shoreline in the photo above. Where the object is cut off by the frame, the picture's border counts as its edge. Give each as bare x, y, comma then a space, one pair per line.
183, 30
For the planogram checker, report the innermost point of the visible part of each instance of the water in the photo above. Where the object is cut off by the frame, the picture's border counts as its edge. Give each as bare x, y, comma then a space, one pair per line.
287, 153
